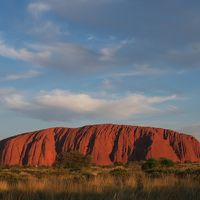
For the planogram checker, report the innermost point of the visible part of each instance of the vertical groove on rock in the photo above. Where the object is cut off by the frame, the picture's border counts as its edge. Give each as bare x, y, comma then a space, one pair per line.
141, 145
26, 158
91, 143
115, 146
60, 138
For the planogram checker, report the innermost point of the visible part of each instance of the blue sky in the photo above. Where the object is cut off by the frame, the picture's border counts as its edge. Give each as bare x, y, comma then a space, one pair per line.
71, 63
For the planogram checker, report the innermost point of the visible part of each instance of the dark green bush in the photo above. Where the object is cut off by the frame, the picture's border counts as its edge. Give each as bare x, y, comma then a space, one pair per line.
150, 164
153, 163
165, 162
73, 160
119, 172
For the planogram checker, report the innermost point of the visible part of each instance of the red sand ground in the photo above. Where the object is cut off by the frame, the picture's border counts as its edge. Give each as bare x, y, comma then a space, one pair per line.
106, 143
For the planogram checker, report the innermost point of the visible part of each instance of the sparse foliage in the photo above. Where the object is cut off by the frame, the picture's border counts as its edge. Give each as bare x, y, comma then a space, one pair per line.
113, 182
150, 164
119, 172
154, 163
165, 162
73, 160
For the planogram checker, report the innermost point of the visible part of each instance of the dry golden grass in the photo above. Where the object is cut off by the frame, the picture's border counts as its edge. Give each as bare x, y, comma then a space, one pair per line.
95, 184
4, 186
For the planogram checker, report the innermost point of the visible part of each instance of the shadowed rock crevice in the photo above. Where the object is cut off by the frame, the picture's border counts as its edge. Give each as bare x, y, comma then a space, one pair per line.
25, 160
141, 147
2, 148
175, 142
91, 143
115, 146
79, 136
60, 139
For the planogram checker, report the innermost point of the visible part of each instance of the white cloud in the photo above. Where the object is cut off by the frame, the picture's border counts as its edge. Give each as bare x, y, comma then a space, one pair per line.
6, 92
59, 105
79, 58
17, 101
106, 84
90, 37
140, 70
108, 53
24, 75
47, 30
103, 15
66, 56
10, 94
57, 55
76, 102
23, 54
37, 8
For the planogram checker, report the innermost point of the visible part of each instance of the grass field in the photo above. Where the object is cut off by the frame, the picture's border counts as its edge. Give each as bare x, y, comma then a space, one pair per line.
180, 182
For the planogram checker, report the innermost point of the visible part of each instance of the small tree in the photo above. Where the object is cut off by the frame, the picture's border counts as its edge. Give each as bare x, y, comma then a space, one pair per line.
73, 160
165, 162
153, 163
119, 172
150, 164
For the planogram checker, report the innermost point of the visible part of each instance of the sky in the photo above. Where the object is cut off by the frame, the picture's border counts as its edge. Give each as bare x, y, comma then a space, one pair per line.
76, 62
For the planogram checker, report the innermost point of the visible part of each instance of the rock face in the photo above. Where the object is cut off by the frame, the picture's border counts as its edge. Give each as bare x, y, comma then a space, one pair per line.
106, 144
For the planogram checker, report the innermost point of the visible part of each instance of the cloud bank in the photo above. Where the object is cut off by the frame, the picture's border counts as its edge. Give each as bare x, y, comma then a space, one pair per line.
60, 105
23, 75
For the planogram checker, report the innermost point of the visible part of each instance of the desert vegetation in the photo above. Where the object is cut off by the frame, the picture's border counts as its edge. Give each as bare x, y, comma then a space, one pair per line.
73, 160
156, 163
138, 180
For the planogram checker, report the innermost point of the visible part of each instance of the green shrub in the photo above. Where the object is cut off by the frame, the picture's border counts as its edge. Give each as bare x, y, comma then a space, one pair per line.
119, 172
73, 160
150, 164
153, 163
165, 162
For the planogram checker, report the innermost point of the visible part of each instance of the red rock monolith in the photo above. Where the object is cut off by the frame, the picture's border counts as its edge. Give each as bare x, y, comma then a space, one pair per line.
106, 143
